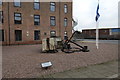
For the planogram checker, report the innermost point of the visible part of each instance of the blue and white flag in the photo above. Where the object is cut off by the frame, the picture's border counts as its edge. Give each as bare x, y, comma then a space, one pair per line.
97, 13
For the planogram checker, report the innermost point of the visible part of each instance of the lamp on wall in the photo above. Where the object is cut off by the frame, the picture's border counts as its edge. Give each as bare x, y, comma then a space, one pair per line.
27, 33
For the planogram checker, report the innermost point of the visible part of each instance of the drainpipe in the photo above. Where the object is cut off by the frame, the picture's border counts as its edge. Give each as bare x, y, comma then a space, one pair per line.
59, 19
9, 23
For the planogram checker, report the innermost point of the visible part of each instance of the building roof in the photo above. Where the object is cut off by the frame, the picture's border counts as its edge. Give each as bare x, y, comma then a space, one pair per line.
101, 28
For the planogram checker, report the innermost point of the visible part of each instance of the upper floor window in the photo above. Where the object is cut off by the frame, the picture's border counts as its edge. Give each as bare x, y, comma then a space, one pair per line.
36, 4
0, 2
36, 19
65, 22
17, 18
52, 21
65, 8
52, 6
1, 16
17, 3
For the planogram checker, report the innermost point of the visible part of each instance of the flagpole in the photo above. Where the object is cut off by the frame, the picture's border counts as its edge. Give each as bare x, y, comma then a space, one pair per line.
97, 29
97, 34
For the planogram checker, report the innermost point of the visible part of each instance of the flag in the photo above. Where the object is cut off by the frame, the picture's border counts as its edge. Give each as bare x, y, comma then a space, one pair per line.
97, 13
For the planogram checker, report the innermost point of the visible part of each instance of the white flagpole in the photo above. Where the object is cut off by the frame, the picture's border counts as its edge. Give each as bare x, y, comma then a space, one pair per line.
97, 34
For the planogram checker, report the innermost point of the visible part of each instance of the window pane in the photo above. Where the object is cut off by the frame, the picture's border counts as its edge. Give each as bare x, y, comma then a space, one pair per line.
1, 35
65, 8
1, 16
36, 16
17, 18
65, 33
53, 33
52, 6
17, 14
0, 2
52, 18
52, 21
36, 20
37, 35
17, 3
18, 35
52, 3
36, 0
37, 5
36, 23
65, 22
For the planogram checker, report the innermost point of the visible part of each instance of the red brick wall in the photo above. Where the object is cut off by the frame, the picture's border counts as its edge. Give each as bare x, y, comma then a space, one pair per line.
27, 11
92, 32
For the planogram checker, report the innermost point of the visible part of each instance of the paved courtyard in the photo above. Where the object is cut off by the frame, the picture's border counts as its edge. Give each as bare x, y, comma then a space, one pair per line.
104, 70
23, 61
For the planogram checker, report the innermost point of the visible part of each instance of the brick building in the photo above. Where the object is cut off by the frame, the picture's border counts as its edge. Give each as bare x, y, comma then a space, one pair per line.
105, 33
30, 22
92, 32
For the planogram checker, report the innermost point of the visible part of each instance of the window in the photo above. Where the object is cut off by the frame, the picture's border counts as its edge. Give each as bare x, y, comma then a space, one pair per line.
17, 3
65, 36
36, 19
52, 6
1, 16
105, 31
65, 8
52, 21
65, 22
65, 33
52, 33
1, 35
36, 35
17, 18
0, 2
18, 35
36, 4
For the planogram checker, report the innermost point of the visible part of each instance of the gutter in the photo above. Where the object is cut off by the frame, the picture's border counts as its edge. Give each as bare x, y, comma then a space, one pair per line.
9, 23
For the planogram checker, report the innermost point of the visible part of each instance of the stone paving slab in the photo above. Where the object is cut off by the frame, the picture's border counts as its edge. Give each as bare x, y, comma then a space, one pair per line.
106, 70
23, 61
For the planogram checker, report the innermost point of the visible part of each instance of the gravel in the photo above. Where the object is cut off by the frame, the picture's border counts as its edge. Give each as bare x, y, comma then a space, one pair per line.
23, 61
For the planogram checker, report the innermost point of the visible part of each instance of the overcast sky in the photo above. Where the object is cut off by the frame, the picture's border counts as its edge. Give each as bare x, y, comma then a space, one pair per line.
85, 11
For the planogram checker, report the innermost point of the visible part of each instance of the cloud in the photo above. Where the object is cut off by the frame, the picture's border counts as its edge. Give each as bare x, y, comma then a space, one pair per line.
85, 12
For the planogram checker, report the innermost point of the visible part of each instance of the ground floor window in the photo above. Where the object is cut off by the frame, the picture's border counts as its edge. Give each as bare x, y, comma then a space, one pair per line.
52, 33
65, 36
37, 35
1, 35
65, 33
18, 35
